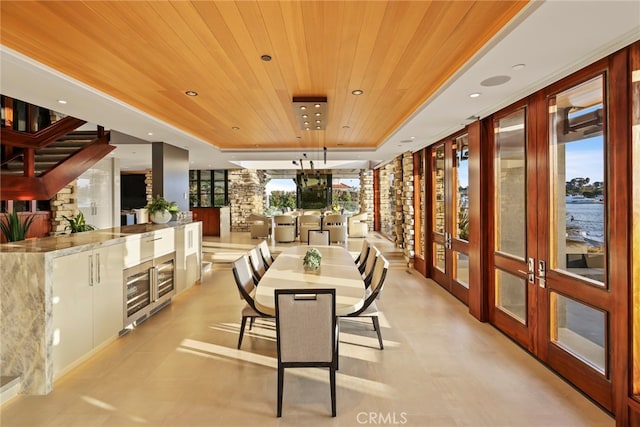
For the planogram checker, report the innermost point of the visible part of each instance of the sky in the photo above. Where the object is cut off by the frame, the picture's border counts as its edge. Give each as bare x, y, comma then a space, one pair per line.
289, 185
585, 159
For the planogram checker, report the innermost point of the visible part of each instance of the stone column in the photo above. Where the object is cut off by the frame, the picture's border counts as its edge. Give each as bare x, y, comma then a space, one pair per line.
65, 202
148, 182
246, 195
366, 195
386, 218
398, 212
408, 220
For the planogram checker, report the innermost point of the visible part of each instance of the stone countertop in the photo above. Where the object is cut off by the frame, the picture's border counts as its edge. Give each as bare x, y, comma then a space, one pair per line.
68, 243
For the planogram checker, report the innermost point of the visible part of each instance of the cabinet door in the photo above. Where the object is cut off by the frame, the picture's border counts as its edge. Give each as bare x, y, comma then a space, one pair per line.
95, 194
188, 254
108, 294
72, 309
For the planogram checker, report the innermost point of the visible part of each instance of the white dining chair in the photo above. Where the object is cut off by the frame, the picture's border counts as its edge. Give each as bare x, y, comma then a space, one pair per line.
265, 253
369, 264
369, 308
318, 238
257, 263
244, 281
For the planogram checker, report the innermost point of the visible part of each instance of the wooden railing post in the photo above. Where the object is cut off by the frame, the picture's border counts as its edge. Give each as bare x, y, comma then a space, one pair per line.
29, 165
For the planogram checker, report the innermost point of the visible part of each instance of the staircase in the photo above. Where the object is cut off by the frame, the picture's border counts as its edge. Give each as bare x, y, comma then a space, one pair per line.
48, 157
35, 166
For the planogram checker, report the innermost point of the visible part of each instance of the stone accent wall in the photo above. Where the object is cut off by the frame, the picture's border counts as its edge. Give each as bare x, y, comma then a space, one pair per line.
64, 203
398, 202
408, 214
366, 195
386, 215
246, 195
148, 182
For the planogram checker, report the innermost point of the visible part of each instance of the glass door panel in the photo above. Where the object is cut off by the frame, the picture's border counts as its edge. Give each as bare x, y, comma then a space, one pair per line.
511, 295
439, 188
439, 257
578, 181
461, 178
450, 213
510, 184
461, 268
579, 329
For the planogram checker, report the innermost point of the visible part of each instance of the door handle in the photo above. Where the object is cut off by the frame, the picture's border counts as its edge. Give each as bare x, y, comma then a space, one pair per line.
530, 274
542, 274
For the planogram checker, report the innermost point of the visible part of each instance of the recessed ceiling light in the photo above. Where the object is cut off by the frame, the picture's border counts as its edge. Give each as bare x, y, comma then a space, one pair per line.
61, 101
266, 58
357, 92
474, 94
150, 133
413, 137
518, 67
191, 93
346, 127
235, 128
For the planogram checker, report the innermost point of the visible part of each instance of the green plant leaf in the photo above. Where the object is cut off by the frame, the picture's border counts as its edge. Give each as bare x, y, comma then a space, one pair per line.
15, 229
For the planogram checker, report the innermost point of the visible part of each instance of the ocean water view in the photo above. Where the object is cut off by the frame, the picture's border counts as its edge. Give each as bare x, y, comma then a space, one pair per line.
587, 219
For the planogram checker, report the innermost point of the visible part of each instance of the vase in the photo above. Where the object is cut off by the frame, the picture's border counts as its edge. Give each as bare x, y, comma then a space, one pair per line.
310, 269
160, 217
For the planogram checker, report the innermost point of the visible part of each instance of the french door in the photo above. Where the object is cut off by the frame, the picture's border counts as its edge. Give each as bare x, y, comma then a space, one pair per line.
550, 229
450, 215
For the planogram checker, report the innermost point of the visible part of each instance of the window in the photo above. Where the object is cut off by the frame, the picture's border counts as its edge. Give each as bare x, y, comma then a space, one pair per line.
208, 188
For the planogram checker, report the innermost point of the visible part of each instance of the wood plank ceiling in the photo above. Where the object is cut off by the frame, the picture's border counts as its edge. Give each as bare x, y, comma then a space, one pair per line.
148, 53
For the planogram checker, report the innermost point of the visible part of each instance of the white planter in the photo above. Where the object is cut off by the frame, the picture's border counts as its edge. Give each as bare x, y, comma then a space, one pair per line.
160, 217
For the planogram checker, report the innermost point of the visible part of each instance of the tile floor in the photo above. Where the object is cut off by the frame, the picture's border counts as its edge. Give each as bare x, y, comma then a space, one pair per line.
440, 367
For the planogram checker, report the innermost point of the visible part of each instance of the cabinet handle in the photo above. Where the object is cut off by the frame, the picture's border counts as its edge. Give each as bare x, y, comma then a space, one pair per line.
98, 262
90, 270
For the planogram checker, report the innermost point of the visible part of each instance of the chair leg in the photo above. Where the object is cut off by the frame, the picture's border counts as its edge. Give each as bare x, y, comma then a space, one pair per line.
251, 322
376, 326
280, 389
332, 380
242, 325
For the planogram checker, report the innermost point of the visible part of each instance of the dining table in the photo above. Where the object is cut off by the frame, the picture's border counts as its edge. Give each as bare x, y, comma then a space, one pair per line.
337, 271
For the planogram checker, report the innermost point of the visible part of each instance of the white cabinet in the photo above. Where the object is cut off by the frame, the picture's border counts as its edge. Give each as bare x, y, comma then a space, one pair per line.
148, 246
87, 303
97, 198
188, 255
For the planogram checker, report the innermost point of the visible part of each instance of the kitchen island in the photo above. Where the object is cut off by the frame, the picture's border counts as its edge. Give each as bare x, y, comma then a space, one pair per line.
62, 298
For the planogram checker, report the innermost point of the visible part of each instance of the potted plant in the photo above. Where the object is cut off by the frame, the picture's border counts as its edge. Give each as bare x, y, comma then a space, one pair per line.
311, 261
77, 224
160, 210
13, 228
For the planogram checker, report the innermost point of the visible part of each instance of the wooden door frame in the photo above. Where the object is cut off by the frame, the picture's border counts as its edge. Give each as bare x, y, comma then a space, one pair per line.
522, 334
420, 260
